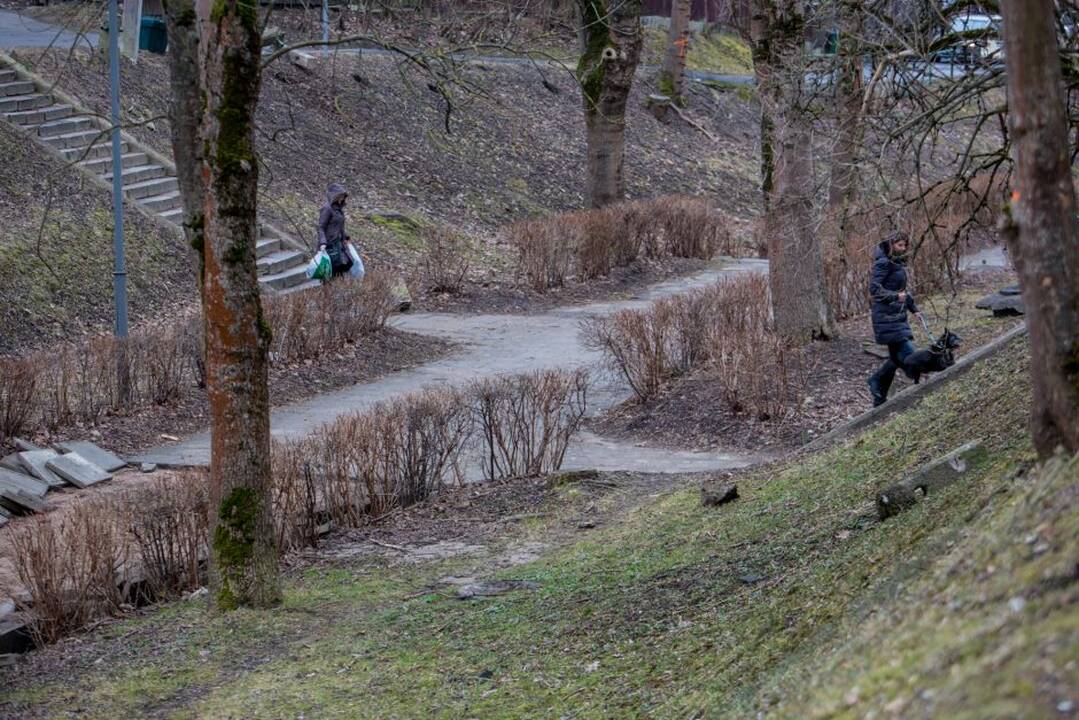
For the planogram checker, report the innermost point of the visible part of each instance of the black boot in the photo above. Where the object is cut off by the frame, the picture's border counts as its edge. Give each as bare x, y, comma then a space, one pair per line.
874, 390
880, 382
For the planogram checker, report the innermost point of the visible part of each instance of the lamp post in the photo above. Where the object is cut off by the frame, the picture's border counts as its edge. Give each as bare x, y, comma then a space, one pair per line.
119, 272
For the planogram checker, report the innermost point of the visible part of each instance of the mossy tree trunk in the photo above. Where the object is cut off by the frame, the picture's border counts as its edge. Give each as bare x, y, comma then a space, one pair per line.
796, 266
244, 566
611, 35
1042, 234
673, 74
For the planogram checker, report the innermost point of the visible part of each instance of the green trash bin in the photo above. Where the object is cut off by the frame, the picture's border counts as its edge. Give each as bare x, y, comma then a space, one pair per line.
152, 35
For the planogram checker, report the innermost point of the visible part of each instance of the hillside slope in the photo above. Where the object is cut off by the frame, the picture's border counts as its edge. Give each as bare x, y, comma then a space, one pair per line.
794, 601
512, 148
56, 252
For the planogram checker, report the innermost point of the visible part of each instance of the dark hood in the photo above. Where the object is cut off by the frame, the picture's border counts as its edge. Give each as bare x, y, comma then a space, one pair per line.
333, 191
884, 250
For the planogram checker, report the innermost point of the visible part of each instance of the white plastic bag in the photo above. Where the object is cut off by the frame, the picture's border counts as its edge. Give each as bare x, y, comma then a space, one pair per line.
319, 268
356, 270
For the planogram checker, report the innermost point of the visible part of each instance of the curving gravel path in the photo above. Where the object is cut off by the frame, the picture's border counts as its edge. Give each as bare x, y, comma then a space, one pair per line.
493, 345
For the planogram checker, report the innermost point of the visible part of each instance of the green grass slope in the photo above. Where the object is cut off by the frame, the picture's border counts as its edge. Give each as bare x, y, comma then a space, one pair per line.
794, 601
56, 251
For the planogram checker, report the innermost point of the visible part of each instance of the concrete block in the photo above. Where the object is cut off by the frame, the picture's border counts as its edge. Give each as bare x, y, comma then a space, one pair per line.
26, 445
77, 470
11, 462
1002, 304
19, 502
22, 481
34, 461
104, 459
930, 479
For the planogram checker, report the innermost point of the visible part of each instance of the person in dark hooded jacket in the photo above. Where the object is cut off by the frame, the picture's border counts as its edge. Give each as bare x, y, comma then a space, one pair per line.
891, 305
331, 229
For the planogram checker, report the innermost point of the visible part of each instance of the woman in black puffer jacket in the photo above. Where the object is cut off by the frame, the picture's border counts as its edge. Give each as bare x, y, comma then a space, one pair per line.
891, 305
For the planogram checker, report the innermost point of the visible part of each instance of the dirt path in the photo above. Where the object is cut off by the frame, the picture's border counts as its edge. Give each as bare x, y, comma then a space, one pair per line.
493, 345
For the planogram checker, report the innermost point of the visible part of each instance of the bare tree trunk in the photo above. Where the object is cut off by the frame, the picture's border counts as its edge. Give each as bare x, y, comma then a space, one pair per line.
612, 49
762, 61
185, 116
673, 74
848, 107
796, 267
244, 569
1042, 233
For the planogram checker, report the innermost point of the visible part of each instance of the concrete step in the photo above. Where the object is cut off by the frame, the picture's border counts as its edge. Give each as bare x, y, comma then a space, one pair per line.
162, 203
64, 126
137, 174
39, 115
103, 165
77, 139
16, 87
7, 75
280, 261
175, 216
285, 279
306, 285
265, 246
102, 148
151, 188
33, 101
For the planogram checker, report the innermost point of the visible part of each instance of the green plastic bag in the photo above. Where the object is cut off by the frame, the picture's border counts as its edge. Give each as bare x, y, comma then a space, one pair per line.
319, 268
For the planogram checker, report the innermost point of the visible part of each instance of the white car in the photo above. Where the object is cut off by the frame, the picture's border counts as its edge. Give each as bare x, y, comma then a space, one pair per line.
982, 44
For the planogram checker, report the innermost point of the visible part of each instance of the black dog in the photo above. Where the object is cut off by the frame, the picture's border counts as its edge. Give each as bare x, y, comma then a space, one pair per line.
938, 356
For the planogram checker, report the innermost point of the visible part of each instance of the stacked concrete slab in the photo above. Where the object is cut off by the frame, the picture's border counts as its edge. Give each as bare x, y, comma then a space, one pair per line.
25, 476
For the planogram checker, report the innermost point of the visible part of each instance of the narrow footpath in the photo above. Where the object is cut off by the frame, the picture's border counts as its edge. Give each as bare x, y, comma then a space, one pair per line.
497, 345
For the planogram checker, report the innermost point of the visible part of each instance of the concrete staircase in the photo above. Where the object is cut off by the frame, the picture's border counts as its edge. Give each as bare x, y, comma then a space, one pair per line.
149, 179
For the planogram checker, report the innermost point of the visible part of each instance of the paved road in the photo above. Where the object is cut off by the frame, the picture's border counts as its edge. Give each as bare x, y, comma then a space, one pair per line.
22, 31
493, 345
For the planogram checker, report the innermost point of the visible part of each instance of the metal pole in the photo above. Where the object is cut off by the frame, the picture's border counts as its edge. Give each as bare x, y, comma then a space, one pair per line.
326, 25
119, 273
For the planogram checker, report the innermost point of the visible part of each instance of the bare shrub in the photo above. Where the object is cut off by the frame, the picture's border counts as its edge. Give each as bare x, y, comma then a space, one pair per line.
169, 525
589, 243
362, 465
758, 373
70, 568
306, 325
635, 343
691, 227
597, 238
297, 511
725, 328
18, 385
525, 422
444, 264
544, 253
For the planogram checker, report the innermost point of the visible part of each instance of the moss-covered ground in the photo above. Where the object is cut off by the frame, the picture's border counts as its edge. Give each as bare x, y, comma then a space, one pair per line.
794, 601
718, 52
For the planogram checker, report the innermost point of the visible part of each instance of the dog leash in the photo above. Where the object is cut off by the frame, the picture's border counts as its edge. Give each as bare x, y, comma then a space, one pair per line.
925, 326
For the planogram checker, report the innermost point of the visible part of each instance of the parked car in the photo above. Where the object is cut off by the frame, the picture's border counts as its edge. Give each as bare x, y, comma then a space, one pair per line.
981, 42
